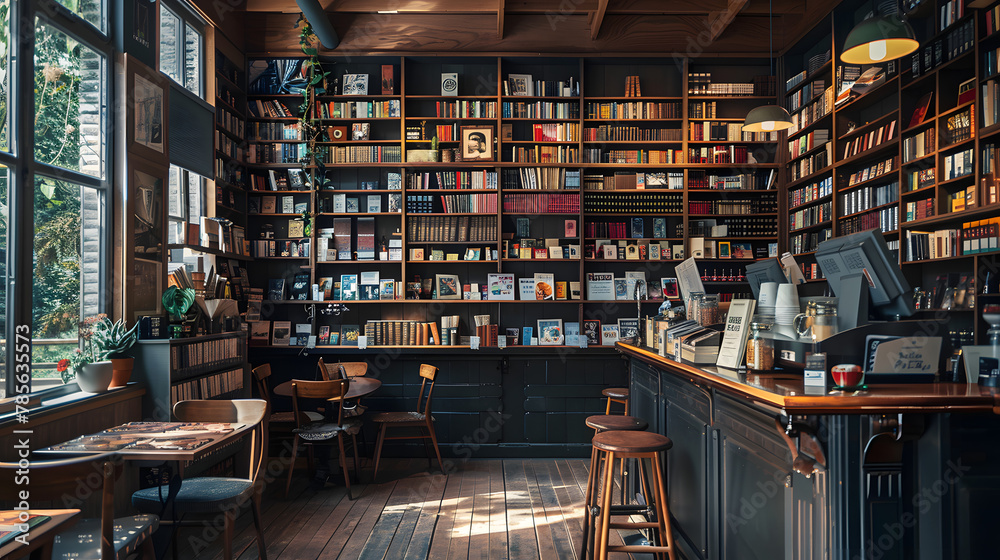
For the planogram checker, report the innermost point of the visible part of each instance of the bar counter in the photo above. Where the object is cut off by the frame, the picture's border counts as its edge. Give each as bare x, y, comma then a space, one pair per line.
761, 468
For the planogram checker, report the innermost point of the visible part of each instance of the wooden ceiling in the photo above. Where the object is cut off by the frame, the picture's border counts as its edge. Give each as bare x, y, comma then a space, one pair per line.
670, 27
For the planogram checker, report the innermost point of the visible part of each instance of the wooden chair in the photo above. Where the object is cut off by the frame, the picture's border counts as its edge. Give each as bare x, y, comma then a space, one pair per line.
210, 495
345, 370
323, 431
421, 419
103, 538
284, 421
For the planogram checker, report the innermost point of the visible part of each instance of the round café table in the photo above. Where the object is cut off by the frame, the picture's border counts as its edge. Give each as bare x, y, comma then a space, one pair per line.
359, 387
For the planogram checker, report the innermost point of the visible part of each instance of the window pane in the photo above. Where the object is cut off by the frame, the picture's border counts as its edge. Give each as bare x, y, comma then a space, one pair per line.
66, 283
192, 60
4, 216
4, 80
196, 197
92, 11
170, 53
69, 102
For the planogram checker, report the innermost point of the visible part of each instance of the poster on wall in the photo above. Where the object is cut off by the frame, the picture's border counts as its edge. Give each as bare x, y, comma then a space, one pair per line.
138, 30
147, 193
148, 111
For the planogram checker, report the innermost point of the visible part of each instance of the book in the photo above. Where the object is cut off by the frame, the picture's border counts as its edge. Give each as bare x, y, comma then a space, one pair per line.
600, 286
260, 333
302, 333
324, 335
526, 288
282, 333
628, 330
349, 335
545, 286
276, 289
300, 287
500, 286
920, 111
349, 287
609, 335
734, 340
592, 330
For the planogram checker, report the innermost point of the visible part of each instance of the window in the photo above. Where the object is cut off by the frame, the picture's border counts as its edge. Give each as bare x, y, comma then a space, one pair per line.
69, 220
185, 203
92, 11
69, 102
180, 50
4, 76
4, 220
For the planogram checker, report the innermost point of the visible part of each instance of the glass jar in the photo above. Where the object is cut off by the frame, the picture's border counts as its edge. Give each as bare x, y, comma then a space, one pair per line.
694, 305
760, 348
709, 310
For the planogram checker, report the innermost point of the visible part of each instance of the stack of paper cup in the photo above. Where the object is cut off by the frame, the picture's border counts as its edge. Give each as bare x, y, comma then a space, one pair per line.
767, 295
786, 304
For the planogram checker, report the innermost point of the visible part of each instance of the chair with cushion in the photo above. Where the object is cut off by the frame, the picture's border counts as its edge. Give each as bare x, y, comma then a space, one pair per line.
284, 421
101, 538
210, 495
312, 433
421, 419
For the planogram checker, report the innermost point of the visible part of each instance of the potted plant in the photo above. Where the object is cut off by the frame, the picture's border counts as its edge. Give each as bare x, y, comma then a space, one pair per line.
93, 373
112, 341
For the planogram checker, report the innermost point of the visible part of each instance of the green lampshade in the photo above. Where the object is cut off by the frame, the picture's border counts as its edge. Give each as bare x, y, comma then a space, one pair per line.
878, 39
767, 118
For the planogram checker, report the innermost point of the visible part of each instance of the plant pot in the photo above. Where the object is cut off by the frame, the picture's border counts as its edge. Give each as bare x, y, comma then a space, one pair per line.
422, 155
122, 371
95, 377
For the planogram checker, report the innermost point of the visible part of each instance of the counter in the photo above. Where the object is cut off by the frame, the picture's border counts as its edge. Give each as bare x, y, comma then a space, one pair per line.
760, 469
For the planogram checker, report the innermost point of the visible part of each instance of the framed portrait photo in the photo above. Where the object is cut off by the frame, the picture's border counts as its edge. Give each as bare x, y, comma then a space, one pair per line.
550, 332
477, 143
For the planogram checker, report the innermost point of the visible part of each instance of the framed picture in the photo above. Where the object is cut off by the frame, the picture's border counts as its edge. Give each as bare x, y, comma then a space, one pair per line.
724, 250
742, 251
355, 84
669, 286
448, 286
520, 84
477, 143
360, 131
146, 112
550, 332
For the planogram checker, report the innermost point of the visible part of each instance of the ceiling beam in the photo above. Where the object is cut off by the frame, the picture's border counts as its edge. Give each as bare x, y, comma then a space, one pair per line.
547, 7
500, 10
598, 18
721, 20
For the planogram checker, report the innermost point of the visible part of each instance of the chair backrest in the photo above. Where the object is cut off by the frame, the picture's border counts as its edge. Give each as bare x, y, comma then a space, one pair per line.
260, 375
240, 411
343, 369
332, 390
428, 373
61, 481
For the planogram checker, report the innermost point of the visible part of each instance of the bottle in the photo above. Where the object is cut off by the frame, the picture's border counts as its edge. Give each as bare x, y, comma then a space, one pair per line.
760, 348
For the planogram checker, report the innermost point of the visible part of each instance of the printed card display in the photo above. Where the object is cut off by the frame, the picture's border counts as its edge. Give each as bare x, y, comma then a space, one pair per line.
500, 286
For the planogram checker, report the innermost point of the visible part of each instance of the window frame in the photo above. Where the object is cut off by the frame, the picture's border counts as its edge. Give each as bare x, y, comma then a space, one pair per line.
186, 18
24, 168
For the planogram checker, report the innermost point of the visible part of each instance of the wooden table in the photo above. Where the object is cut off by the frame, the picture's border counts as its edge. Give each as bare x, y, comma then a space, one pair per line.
154, 441
358, 387
41, 536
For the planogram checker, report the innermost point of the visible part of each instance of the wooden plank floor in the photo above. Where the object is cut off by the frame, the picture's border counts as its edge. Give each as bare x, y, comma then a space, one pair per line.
496, 509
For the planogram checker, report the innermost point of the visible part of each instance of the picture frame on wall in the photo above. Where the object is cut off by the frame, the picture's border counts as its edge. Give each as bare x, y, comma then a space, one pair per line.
477, 143
146, 111
355, 84
447, 286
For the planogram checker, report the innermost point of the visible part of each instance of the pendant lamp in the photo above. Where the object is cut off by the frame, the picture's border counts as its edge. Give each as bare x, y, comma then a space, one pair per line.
768, 118
877, 39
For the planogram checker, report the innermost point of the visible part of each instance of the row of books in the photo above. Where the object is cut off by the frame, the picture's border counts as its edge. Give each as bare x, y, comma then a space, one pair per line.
809, 241
542, 203
276, 131
813, 112
762, 204
954, 44
282, 248
950, 12
269, 109
960, 126
633, 203
229, 147
539, 110
700, 179
358, 109
466, 109
452, 180
641, 250
700, 83
626, 110
702, 109
726, 153
555, 132
981, 236
992, 17
518, 250
613, 133
363, 154
865, 198
230, 121
811, 164
810, 193
624, 180
872, 139
655, 157
807, 93
958, 164
873, 171
277, 153
191, 358
544, 154
714, 131
224, 384
920, 178
229, 171
963, 199
811, 216
634, 228
278, 180
735, 227
546, 178
269, 205
523, 84
402, 333
886, 219
452, 228
925, 245
802, 144
466, 203
991, 97
919, 209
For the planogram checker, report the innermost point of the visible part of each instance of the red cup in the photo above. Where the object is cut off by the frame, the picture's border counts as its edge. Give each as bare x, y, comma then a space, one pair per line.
847, 375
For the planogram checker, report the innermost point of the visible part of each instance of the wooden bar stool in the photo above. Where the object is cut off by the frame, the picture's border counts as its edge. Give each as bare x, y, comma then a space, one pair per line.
634, 445
618, 395
602, 423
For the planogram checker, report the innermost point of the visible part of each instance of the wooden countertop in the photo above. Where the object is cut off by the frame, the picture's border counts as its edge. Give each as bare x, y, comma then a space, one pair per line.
785, 391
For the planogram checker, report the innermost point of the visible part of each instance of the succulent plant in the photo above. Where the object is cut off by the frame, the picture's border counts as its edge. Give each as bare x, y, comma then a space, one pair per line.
113, 339
434, 143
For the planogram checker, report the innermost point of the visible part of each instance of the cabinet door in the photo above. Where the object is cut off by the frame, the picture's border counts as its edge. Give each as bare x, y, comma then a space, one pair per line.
644, 395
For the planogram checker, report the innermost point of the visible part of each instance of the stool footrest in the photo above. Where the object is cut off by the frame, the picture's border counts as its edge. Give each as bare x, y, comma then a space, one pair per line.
639, 548
634, 525
620, 510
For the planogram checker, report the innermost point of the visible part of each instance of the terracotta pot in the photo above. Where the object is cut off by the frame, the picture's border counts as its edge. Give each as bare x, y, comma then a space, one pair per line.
95, 377
122, 371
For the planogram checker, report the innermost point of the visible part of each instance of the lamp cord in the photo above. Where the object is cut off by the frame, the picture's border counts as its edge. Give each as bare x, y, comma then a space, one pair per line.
770, 33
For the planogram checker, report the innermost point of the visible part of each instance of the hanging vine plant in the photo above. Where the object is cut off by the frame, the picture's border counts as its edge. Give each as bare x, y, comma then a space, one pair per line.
315, 79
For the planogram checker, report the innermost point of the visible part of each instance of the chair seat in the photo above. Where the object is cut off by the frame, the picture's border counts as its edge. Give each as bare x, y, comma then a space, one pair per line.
289, 417
399, 417
321, 431
604, 422
632, 442
207, 494
616, 392
83, 540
